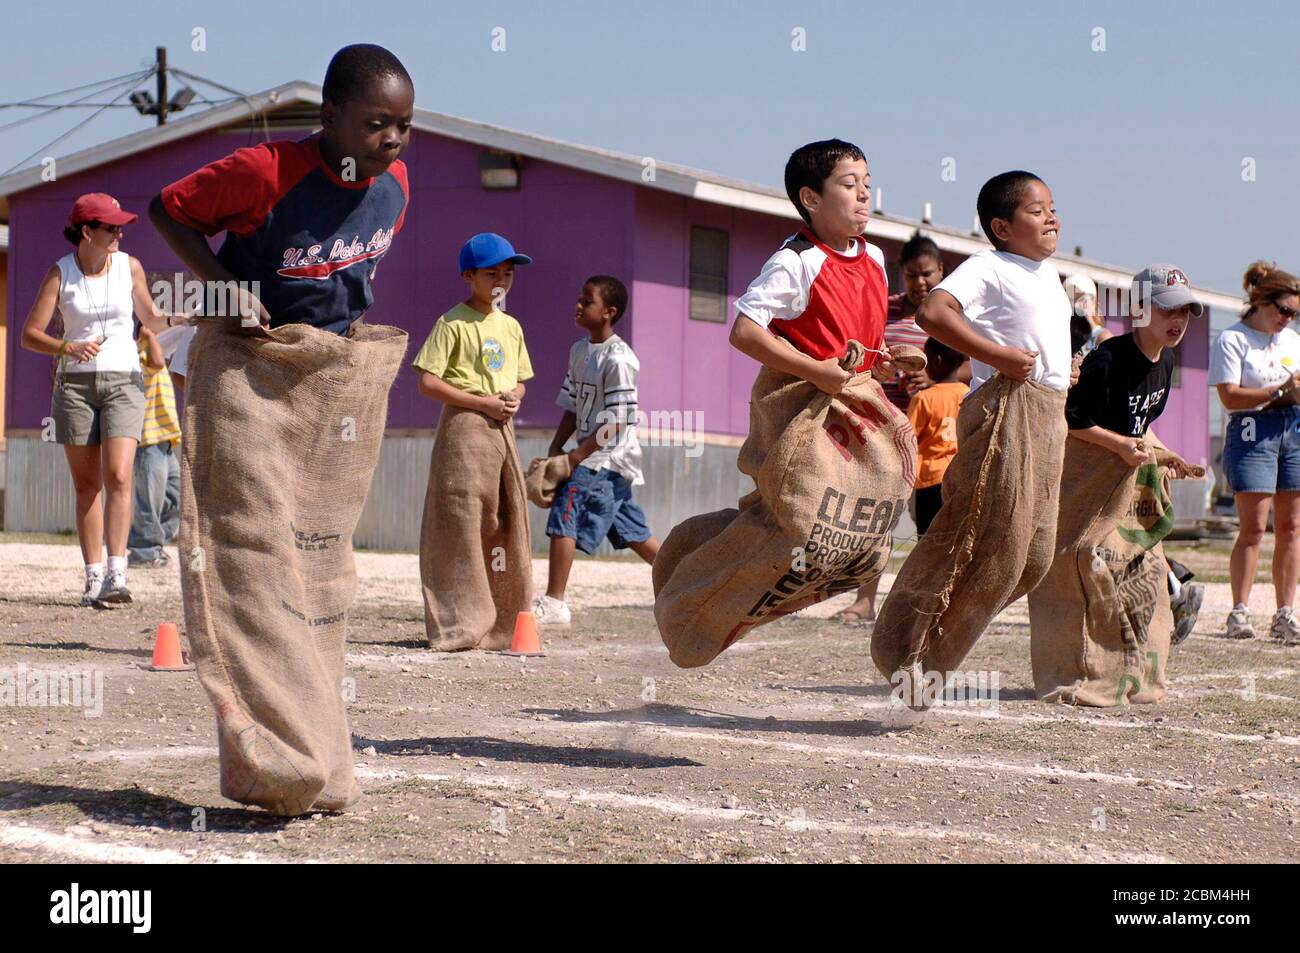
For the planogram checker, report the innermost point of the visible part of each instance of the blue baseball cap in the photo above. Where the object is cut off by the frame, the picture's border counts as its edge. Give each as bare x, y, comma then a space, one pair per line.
487, 249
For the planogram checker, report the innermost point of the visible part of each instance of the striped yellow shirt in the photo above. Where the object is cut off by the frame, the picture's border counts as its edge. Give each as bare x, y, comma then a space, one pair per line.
161, 422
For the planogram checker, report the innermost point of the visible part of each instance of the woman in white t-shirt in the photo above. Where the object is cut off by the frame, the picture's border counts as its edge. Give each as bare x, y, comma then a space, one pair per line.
1255, 365
98, 403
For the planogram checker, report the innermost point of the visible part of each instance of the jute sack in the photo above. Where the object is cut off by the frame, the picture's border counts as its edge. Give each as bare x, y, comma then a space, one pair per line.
476, 564
282, 434
991, 542
1100, 622
833, 475
545, 475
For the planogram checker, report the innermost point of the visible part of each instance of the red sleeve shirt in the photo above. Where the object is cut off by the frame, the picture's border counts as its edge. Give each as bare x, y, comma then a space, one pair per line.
819, 299
310, 240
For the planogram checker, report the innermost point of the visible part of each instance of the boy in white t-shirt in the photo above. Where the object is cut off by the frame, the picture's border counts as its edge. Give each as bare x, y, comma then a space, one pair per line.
599, 399
993, 539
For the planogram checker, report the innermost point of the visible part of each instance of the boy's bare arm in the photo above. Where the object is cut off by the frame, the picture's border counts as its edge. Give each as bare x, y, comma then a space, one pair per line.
191, 247
434, 387
585, 449
940, 316
1127, 448
154, 355
563, 431
753, 341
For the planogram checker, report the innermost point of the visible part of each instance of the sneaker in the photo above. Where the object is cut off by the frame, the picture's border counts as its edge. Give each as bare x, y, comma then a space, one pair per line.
1239, 626
161, 561
551, 611
1187, 606
1285, 627
94, 582
114, 591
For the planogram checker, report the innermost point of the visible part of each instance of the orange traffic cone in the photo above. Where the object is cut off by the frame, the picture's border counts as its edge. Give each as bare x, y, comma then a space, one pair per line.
526, 640
167, 650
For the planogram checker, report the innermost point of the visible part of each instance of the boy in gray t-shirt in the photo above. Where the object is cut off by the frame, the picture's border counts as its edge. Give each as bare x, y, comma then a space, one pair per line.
600, 409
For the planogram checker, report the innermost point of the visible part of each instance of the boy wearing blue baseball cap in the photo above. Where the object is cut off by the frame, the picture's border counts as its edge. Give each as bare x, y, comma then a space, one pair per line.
475, 558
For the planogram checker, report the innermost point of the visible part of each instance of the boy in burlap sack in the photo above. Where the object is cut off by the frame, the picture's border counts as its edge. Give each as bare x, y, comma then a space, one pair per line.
992, 541
475, 558
285, 411
599, 399
921, 265
833, 460
1101, 620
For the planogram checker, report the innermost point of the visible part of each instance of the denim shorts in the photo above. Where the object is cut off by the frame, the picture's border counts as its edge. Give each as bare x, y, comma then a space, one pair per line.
1262, 451
593, 505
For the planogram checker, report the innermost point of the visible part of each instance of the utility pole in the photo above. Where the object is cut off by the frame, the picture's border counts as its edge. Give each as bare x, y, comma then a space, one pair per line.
162, 107
162, 85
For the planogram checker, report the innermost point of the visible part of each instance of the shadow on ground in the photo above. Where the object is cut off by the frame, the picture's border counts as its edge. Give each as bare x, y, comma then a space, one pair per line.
497, 749
676, 716
133, 806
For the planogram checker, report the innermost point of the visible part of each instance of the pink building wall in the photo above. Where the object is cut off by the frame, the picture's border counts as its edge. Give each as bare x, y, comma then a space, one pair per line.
572, 222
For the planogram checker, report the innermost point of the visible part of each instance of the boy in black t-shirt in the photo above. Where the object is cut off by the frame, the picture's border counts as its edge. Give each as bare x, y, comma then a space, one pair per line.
1124, 386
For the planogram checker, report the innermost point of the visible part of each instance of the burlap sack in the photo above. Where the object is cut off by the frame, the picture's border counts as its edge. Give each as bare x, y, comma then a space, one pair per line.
1100, 623
833, 476
545, 475
475, 560
990, 543
282, 434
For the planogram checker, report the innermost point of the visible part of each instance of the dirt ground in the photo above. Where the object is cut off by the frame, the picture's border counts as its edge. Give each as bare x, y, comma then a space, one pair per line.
786, 749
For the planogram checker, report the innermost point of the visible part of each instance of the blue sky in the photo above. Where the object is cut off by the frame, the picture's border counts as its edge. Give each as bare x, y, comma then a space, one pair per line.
1143, 143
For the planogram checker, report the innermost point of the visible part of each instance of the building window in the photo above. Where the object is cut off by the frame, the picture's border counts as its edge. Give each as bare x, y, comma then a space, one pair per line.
708, 280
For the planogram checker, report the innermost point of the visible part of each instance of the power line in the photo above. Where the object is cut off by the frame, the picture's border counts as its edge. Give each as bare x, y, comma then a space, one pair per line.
80, 101
50, 145
202, 79
113, 81
128, 80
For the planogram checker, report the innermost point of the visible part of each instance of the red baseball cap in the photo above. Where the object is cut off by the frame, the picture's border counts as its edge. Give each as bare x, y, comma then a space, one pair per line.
98, 207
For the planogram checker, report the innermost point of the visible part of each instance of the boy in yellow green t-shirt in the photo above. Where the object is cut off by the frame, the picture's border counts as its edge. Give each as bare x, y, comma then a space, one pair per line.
475, 557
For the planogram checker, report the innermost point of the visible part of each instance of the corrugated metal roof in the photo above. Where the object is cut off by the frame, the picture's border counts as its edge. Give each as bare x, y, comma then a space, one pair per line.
682, 180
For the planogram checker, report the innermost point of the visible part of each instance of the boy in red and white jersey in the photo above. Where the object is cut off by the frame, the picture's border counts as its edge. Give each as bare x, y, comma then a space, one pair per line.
826, 285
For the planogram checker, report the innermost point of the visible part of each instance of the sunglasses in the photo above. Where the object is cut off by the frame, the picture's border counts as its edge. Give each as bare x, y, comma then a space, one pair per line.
1288, 313
115, 229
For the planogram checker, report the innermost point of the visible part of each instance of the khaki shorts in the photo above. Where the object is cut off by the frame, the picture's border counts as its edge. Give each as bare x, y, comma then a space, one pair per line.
91, 406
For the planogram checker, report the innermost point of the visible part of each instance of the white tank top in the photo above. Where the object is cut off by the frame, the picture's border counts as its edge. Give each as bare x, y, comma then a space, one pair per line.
99, 309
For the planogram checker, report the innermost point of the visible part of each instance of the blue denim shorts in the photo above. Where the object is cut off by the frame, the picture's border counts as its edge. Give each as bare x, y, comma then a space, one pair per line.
593, 505
1262, 451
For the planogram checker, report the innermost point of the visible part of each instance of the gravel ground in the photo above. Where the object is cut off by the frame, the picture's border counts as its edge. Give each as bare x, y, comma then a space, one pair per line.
786, 749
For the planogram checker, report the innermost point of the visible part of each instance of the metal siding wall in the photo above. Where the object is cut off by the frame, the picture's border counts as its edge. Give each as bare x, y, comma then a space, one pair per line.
40, 498
676, 487
38, 487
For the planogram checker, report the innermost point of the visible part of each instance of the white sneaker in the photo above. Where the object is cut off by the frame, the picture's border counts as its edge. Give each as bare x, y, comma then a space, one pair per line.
94, 583
1285, 627
114, 591
551, 611
1239, 626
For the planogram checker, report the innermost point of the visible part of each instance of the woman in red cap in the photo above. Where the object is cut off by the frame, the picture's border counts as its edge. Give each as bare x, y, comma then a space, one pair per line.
98, 405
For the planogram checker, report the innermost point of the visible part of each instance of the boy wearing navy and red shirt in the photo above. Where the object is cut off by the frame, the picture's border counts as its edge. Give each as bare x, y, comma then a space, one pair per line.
826, 285
308, 222
310, 238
